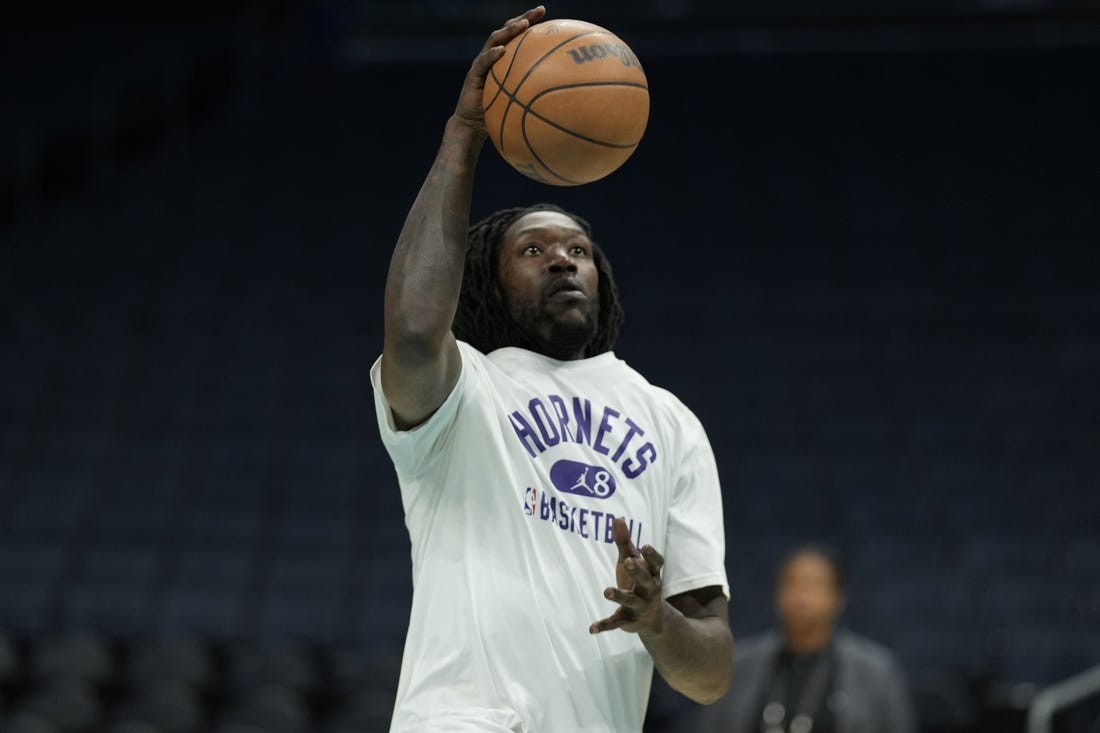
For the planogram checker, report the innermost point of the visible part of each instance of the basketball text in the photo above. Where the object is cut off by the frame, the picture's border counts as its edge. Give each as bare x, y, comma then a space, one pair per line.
602, 51
588, 524
544, 424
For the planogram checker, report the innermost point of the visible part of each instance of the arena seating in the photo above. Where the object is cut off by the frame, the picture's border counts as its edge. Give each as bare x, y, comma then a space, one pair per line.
890, 332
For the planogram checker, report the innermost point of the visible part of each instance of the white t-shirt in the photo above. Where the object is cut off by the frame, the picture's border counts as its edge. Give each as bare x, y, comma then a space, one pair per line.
509, 490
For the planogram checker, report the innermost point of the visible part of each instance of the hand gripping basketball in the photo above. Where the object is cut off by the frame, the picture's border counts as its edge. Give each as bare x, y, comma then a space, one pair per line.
469, 109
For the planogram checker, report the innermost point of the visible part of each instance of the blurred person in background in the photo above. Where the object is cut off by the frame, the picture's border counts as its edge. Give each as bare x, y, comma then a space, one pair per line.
808, 675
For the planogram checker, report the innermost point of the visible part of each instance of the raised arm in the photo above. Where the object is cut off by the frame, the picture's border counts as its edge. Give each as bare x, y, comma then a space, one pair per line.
420, 359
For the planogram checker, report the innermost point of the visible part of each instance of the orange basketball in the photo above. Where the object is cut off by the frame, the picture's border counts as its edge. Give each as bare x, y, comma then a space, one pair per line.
567, 103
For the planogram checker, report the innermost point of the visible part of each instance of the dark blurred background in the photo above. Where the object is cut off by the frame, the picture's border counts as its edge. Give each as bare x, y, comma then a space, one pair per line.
859, 240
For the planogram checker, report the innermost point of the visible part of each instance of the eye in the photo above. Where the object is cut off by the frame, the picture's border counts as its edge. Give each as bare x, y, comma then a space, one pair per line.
532, 249
578, 249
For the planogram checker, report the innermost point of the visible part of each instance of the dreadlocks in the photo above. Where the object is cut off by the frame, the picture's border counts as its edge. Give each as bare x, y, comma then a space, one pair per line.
483, 320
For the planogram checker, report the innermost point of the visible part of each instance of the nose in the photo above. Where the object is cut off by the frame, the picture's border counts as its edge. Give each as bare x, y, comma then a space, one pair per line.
560, 260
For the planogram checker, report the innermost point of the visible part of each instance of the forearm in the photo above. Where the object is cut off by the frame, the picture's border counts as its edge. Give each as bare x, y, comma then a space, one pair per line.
694, 655
425, 272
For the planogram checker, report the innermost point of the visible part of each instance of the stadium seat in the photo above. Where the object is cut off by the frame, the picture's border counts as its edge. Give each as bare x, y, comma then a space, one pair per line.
287, 665
365, 712
83, 656
269, 708
9, 661
165, 706
69, 703
187, 661
29, 722
133, 726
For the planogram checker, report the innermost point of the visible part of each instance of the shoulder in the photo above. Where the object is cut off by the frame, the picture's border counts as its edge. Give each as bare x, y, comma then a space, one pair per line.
866, 653
680, 427
489, 371
471, 355
613, 365
667, 404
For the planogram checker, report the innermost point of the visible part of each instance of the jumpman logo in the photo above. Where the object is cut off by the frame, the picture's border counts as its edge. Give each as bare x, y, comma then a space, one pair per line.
574, 477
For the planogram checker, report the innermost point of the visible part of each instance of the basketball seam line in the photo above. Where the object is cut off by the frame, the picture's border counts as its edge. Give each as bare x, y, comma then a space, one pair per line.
528, 111
512, 95
500, 82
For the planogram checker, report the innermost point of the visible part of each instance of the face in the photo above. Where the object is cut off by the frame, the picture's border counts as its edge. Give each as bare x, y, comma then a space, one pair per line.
808, 597
550, 283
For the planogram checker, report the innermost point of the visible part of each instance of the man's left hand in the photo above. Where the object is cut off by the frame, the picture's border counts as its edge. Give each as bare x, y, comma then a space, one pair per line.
641, 605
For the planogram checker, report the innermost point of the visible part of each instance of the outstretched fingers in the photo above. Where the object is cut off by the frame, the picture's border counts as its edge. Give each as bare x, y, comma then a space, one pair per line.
615, 621
639, 593
654, 561
645, 583
621, 533
501, 36
494, 46
513, 28
625, 598
534, 15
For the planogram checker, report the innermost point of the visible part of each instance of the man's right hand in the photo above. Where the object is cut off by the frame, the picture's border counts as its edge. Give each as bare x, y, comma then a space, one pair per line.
469, 109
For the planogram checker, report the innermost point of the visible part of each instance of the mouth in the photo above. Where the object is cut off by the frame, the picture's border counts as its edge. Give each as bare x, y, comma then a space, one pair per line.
566, 288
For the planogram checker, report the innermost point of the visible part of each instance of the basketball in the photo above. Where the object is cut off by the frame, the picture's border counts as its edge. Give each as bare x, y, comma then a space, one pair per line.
567, 103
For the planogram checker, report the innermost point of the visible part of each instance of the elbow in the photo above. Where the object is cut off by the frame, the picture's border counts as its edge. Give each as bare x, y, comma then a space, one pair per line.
713, 691
708, 699
415, 334
717, 684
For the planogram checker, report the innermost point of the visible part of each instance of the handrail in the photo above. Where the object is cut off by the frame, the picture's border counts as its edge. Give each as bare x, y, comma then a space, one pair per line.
1059, 696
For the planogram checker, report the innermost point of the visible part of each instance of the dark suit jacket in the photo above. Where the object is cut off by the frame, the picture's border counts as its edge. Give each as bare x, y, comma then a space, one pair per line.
873, 696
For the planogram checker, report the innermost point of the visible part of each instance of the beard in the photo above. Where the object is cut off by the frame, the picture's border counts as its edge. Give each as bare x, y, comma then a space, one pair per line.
551, 335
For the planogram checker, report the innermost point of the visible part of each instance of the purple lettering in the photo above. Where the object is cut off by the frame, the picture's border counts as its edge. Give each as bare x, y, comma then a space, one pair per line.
544, 422
544, 508
609, 525
634, 430
646, 454
582, 527
563, 416
526, 434
582, 416
605, 428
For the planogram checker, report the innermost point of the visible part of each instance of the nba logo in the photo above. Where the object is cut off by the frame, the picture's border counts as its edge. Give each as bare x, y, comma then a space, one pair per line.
530, 501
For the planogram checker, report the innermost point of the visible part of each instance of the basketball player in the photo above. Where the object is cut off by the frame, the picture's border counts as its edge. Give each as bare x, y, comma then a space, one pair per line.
536, 468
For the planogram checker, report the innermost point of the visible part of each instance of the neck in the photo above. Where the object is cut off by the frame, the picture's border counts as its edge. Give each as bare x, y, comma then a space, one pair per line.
561, 354
808, 641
